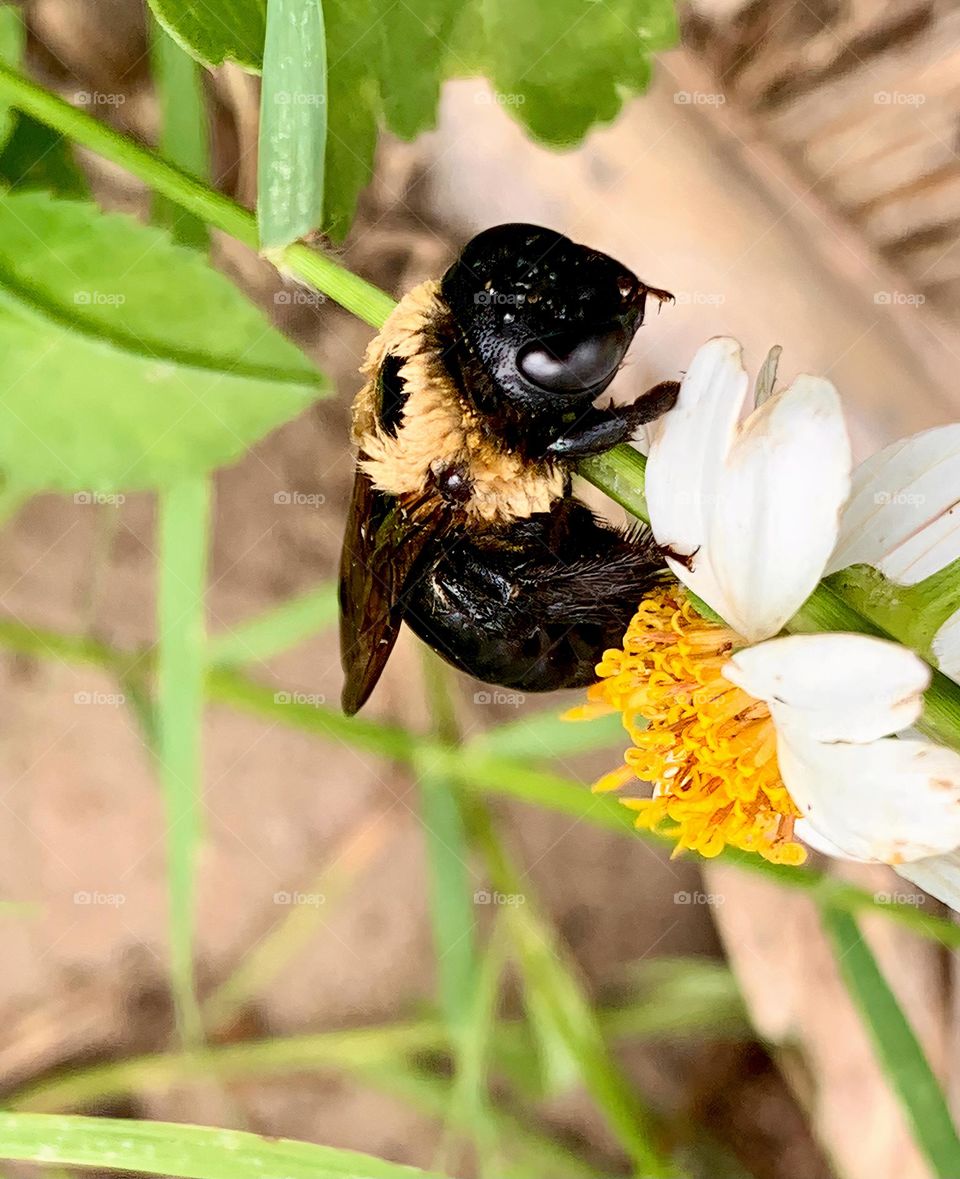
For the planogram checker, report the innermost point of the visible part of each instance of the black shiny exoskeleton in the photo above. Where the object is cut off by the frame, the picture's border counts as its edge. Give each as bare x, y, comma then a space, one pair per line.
530, 329
535, 610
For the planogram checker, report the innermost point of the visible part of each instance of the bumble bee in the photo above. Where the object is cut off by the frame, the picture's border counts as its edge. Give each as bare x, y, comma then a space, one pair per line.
479, 398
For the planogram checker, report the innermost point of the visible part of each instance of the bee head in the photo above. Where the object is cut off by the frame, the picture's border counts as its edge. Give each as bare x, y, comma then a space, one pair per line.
550, 321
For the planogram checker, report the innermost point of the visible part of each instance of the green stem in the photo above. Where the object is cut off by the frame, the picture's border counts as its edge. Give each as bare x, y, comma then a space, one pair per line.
183, 521
347, 289
475, 769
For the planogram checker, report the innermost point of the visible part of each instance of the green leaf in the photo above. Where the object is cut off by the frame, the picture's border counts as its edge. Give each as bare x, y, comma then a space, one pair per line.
35, 156
353, 51
563, 67
899, 1052
293, 122
184, 513
259, 639
194, 1152
560, 69
414, 58
12, 40
128, 361
216, 31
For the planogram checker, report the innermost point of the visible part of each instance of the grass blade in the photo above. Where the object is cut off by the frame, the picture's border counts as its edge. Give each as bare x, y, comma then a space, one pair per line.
451, 908
543, 736
479, 772
275, 631
566, 1012
191, 1152
717, 1011
184, 512
451, 905
293, 122
448, 855
184, 131
470, 1101
900, 1053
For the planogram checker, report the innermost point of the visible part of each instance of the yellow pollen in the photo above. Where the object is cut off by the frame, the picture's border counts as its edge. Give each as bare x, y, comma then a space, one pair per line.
708, 748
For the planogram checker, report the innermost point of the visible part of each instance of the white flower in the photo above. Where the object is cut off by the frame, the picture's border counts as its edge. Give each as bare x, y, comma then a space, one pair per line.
763, 506
754, 502
903, 517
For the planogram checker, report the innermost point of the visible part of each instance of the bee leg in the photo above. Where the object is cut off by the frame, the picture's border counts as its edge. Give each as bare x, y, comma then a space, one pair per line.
598, 430
535, 610
684, 559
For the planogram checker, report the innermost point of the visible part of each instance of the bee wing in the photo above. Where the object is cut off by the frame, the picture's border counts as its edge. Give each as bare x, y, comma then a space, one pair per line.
385, 538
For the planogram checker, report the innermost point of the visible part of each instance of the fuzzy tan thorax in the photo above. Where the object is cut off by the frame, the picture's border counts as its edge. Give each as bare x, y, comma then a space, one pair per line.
438, 429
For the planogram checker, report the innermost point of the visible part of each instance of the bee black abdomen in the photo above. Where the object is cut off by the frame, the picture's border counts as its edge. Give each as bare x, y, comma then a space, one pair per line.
534, 607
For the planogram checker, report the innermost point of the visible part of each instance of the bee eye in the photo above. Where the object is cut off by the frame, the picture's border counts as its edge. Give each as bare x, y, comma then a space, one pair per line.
568, 362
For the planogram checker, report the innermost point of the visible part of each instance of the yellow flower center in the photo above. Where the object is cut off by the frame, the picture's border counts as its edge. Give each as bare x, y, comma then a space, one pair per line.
709, 748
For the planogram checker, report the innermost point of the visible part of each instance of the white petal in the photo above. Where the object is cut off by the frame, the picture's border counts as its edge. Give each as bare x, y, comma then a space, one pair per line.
937, 875
778, 510
946, 647
834, 687
889, 800
902, 515
756, 504
805, 831
687, 450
